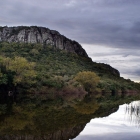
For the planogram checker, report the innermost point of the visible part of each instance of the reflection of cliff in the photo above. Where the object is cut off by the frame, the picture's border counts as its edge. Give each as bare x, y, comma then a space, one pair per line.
49, 122
65, 134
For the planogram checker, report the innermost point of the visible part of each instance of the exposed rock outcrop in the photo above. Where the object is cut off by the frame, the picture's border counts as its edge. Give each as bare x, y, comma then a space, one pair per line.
41, 35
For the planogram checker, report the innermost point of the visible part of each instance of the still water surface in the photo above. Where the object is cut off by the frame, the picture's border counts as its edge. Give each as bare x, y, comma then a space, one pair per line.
121, 125
51, 120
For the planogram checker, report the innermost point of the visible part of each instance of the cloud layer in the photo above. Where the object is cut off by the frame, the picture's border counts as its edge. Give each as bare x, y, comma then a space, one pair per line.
106, 23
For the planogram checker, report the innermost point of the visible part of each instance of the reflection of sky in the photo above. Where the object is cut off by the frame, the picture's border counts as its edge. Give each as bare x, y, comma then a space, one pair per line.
116, 126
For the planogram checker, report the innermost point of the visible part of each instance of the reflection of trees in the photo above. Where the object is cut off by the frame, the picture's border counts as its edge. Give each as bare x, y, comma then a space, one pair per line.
133, 112
46, 120
40, 118
86, 107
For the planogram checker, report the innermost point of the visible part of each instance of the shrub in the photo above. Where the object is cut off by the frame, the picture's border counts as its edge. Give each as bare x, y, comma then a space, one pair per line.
89, 80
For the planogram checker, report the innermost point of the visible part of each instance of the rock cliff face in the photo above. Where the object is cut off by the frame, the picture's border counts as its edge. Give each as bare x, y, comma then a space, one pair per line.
41, 35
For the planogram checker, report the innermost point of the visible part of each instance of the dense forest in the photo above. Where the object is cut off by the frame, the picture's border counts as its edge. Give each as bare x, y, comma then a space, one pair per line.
37, 69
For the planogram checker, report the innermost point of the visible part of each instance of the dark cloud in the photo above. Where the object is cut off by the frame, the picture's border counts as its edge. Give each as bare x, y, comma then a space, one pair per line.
107, 34
119, 52
137, 72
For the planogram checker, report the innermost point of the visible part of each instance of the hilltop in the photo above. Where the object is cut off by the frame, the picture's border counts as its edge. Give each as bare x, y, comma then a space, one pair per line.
42, 35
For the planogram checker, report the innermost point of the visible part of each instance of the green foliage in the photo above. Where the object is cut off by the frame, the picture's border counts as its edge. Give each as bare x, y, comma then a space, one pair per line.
86, 107
88, 79
3, 109
24, 70
3, 78
41, 68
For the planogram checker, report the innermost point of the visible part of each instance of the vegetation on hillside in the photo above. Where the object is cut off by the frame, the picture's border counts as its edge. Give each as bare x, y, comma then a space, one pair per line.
39, 69
89, 80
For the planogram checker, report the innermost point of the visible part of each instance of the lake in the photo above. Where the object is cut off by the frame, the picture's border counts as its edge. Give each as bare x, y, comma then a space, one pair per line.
37, 118
121, 125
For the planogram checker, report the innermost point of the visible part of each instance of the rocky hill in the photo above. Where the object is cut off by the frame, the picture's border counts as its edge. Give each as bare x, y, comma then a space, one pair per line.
46, 37
41, 35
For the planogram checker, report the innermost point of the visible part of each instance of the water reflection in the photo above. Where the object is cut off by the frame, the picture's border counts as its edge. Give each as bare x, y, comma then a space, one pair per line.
42, 119
120, 125
133, 113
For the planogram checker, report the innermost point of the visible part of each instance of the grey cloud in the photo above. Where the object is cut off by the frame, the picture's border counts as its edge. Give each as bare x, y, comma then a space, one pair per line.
118, 52
137, 73
110, 35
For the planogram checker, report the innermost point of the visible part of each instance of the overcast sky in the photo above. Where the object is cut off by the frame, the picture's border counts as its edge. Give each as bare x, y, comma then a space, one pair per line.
109, 30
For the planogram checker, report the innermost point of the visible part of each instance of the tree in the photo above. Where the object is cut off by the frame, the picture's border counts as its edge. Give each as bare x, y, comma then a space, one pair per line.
86, 107
24, 72
88, 80
3, 78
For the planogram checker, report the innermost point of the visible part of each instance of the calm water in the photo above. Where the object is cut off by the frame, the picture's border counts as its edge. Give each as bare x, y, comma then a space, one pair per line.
49, 120
121, 125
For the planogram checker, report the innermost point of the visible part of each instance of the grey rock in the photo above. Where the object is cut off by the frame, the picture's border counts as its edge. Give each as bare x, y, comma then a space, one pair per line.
45, 36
